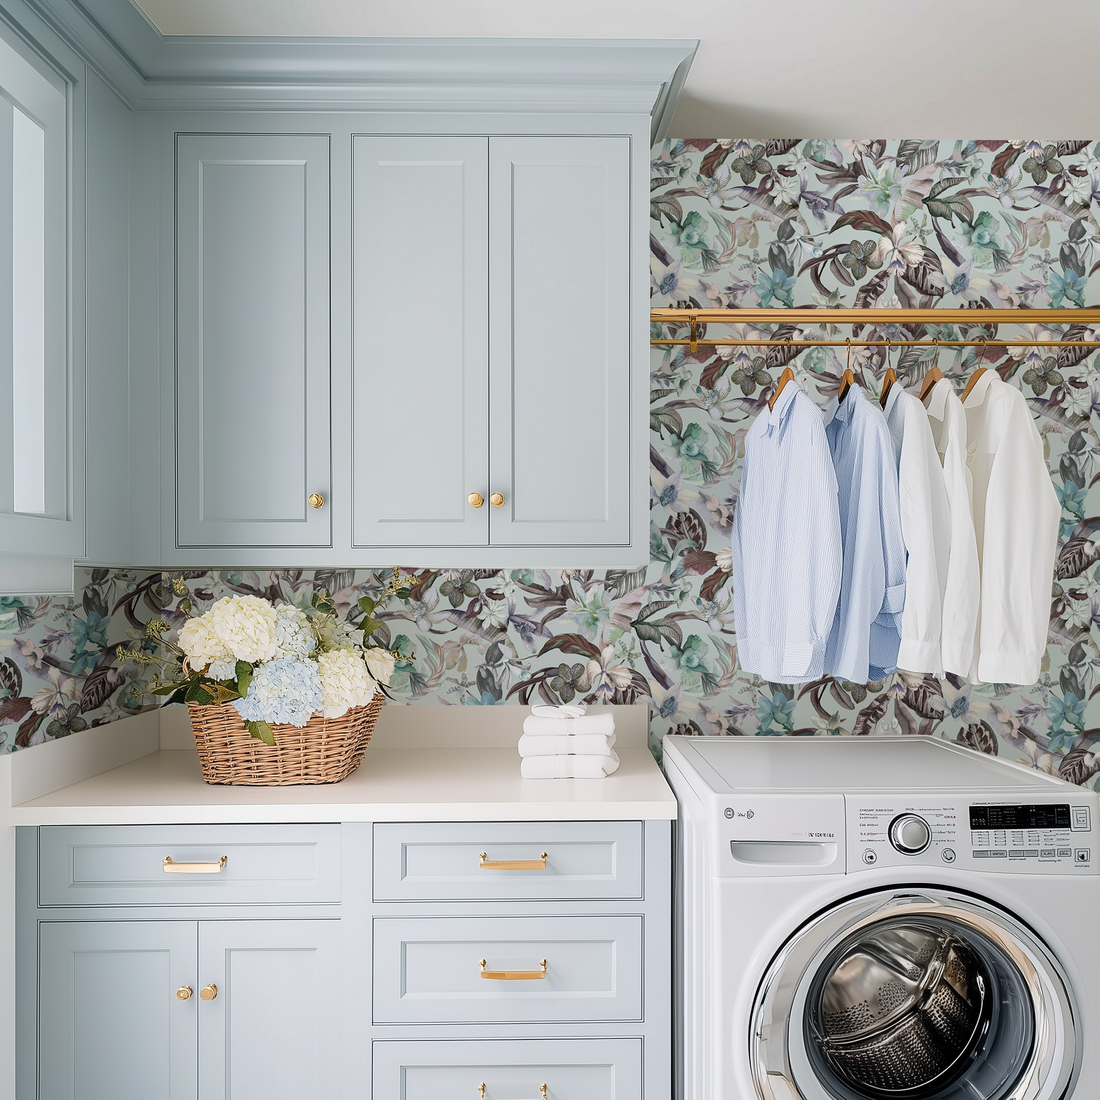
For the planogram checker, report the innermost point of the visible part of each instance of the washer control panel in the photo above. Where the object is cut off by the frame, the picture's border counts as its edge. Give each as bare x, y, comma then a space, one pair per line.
1049, 837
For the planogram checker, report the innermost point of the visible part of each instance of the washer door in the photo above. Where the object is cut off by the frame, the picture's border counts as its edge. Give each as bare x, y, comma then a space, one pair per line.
913, 995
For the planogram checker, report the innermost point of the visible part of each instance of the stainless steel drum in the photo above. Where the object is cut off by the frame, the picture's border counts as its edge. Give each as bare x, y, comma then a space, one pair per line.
899, 1010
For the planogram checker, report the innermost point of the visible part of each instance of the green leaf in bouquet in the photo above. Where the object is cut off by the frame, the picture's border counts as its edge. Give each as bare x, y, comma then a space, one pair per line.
178, 697
262, 732
322, 602
223, 693
198, 693
368, 626
167, 689
368, 605
403, 593
244, 677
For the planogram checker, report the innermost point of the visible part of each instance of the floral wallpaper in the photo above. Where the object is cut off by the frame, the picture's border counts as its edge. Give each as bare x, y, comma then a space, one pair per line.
735, 223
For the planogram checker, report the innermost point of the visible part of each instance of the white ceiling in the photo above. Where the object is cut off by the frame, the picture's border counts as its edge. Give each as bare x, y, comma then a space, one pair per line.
771, 68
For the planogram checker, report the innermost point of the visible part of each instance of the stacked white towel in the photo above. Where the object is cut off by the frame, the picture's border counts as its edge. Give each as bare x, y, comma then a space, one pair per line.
566, 743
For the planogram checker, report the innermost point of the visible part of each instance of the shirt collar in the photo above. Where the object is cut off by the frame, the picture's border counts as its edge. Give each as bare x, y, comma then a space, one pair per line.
936, 402
977, 395
782, 404
892, 398
842, 410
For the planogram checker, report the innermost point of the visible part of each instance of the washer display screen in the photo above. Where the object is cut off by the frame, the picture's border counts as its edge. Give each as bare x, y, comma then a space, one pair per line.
1019, 817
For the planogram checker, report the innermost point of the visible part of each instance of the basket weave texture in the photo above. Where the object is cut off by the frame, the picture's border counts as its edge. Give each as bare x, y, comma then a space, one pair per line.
325, 750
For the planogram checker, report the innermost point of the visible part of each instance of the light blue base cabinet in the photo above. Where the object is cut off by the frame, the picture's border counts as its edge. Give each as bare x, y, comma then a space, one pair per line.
395, 961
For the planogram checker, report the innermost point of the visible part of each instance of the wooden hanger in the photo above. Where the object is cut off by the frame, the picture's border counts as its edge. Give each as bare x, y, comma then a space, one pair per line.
932, 377
975, 376
847, 378
784, 378
888, 379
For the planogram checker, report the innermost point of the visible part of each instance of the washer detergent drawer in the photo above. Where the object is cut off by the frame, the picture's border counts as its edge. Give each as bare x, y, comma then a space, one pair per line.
114, 865
509, 1069
490, 969
503, 861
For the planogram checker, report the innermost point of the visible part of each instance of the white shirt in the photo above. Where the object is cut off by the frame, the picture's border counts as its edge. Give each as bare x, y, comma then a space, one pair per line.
866, 636
963, 585
786, 543
926, 528
1016, 515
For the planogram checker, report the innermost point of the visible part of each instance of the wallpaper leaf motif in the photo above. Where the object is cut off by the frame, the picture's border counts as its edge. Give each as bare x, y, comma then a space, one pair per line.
735, 222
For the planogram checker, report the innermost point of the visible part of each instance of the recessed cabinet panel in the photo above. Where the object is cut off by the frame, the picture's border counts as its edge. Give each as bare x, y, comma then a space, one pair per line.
489, 969
559, 860
571, 1069
560, 351
419, 436
272, 1032
110, 1023
252, 340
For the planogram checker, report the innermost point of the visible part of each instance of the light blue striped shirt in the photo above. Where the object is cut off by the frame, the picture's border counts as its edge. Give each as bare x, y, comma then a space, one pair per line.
866, 635
786, 543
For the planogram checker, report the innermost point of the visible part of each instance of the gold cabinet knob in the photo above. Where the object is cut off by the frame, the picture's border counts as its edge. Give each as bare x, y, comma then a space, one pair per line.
184, 992
315, 500
208, 992
497, 500
475, 500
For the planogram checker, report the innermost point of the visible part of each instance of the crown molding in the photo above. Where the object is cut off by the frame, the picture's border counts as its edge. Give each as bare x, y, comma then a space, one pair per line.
150, 70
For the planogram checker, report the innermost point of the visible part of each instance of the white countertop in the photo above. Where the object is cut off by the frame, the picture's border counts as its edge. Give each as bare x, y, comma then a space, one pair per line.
395, 782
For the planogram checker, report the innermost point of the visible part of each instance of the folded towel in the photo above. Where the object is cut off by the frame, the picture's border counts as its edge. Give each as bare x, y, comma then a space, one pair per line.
566, 744
567, 767
566, 710
590, 723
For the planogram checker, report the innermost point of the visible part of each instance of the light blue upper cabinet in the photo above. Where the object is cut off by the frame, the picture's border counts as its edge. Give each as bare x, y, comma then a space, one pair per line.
491, 377
252, 340
420, 442
560, 344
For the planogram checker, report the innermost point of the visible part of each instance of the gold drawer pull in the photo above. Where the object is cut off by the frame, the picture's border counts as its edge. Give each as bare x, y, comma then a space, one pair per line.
513, 975
184, 992
481, 1091
208, 992
170, 866
488, 864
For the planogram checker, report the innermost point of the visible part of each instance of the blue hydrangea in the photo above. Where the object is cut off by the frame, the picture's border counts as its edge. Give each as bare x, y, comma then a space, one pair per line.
284, 691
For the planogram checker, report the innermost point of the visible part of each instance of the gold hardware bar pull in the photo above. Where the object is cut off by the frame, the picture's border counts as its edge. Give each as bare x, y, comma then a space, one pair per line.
481, 1091
513, 975
170, 866
488, 864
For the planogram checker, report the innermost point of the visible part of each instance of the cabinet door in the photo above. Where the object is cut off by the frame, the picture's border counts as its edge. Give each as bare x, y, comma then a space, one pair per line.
273, 1030
252, 340
419, 436
560, 340
110, 1025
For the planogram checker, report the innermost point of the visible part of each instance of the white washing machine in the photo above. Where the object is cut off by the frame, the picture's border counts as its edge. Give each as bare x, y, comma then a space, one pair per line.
883, 918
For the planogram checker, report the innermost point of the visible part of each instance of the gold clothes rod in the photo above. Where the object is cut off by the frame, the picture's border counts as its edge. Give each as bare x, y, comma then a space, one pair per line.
873, 317
979, 343
820, 316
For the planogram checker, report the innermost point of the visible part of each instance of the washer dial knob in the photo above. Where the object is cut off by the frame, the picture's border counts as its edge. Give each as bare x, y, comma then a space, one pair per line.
910, 834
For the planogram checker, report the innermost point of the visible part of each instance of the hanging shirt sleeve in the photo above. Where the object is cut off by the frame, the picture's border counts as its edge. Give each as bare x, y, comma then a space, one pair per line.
1018, 549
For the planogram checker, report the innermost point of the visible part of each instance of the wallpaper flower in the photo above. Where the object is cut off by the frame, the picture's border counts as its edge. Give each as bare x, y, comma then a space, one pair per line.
741, 223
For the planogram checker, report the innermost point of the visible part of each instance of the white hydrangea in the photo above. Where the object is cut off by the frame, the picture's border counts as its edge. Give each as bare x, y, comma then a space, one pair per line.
293, 636
203, 646
223, 670
334, 633
380, 662
284, 691
246, 627
345, 682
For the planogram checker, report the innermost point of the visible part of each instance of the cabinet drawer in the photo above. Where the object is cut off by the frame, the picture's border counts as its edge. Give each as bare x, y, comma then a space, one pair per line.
437, 862
125, 865
510, 1069
429, 969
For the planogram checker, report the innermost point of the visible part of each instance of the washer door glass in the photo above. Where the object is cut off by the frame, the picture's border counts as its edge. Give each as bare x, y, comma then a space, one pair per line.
933, 996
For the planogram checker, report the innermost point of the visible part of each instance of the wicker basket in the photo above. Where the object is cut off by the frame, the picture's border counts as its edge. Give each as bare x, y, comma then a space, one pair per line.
325, 750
